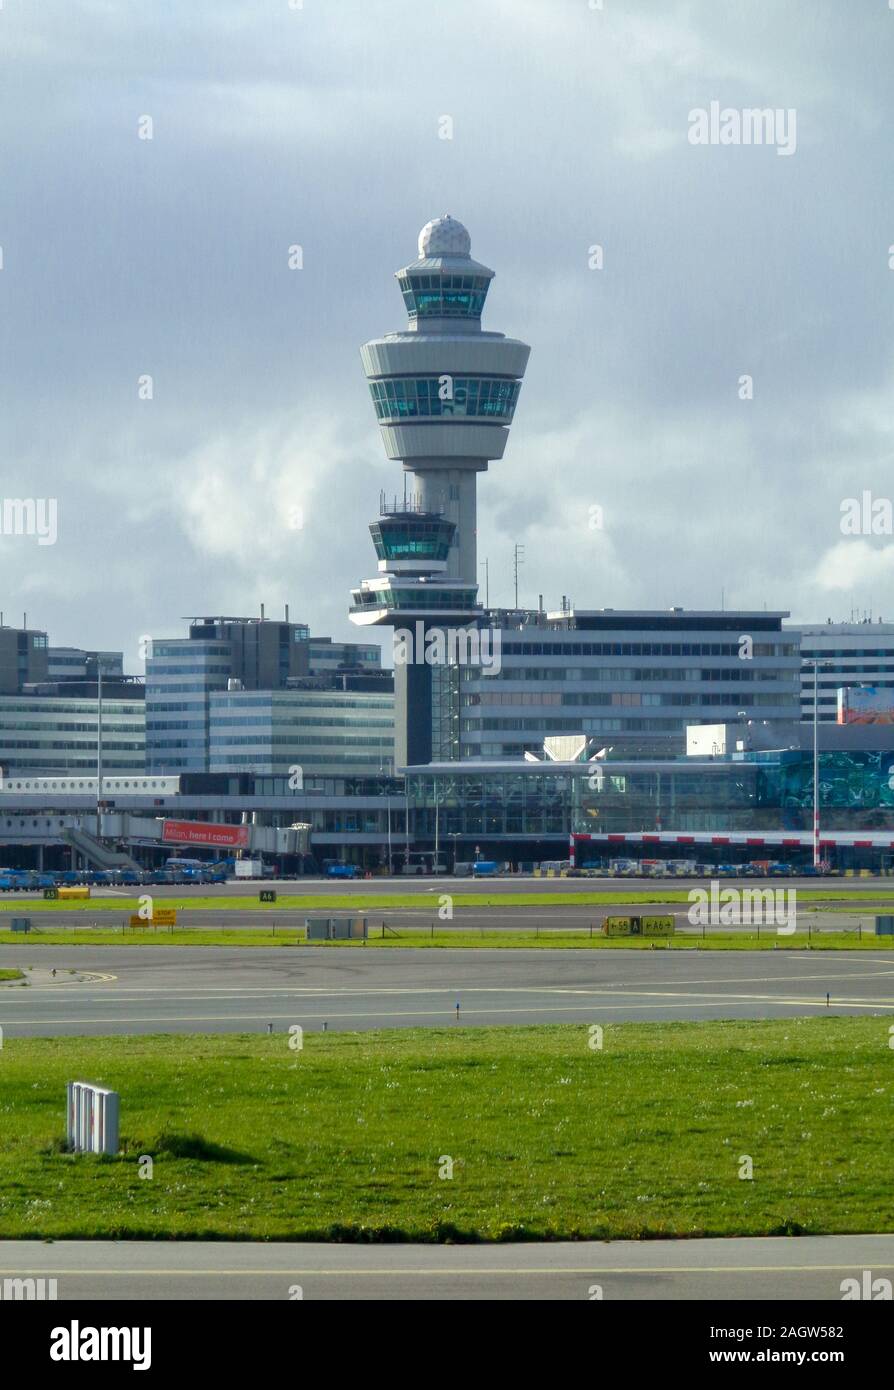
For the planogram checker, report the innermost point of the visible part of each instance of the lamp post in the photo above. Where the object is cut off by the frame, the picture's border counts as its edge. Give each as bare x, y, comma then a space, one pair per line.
390, 866
407, 824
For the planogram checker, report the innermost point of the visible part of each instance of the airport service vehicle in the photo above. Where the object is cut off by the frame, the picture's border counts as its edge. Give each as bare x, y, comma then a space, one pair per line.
194, 871
779, 870
13, 881
177, 864
249, 868
681, 868
485, 868
624, 868
727, 871
342, 871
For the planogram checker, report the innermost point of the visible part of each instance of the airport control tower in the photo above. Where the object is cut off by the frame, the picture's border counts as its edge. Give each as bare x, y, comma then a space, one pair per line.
444, 392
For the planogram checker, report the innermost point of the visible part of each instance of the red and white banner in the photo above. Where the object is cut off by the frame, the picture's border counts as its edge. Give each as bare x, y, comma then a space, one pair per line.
856, 838
197, 832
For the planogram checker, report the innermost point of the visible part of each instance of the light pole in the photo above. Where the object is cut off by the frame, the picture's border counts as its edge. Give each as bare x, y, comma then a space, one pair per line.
407, 824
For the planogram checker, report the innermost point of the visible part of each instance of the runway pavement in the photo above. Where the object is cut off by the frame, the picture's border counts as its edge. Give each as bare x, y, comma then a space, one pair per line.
223, 989
787, 1268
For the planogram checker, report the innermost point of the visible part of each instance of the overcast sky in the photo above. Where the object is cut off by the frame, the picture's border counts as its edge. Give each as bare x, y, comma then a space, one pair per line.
274, 126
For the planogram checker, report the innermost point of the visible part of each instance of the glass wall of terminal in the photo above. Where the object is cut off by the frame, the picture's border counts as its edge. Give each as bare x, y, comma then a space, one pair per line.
770, 792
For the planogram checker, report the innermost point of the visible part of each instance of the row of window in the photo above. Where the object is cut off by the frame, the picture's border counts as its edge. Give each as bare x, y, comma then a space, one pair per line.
63, 726
434, 598
224, 762
673, 697
154, 672
885, 653
444, 296
189, 647
88, 784
45, 744
782, 649
10, 706
278, 708
309, 741
671, 675
444, 282
159, 691
399, 398
573, 726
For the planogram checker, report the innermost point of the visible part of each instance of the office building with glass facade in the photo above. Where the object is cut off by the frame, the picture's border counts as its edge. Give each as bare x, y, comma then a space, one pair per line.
237, 654
320, 731
58, 734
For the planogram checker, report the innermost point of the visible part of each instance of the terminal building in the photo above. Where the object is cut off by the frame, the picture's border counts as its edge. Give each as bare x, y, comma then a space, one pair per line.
634, 680
842, 654
722, 809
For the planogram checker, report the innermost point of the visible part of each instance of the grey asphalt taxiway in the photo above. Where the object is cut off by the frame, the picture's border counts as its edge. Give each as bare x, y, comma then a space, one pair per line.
784, 1268
229, 989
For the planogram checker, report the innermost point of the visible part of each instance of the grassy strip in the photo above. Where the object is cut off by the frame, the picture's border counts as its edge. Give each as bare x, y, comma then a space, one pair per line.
506, 938
345, 1139
372, 903
10, 975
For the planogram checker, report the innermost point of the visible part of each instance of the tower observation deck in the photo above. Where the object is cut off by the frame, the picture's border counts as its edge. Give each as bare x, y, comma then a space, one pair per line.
444, 391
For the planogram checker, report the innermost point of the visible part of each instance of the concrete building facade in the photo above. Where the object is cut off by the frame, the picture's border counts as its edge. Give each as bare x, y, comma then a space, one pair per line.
848, 654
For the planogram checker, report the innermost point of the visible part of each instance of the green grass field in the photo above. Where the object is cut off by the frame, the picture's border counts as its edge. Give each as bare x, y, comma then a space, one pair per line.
502, 938
10, 974
345, 1139
378, 902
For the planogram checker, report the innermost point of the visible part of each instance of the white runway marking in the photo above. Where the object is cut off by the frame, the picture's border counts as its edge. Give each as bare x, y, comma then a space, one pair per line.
448, 1013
